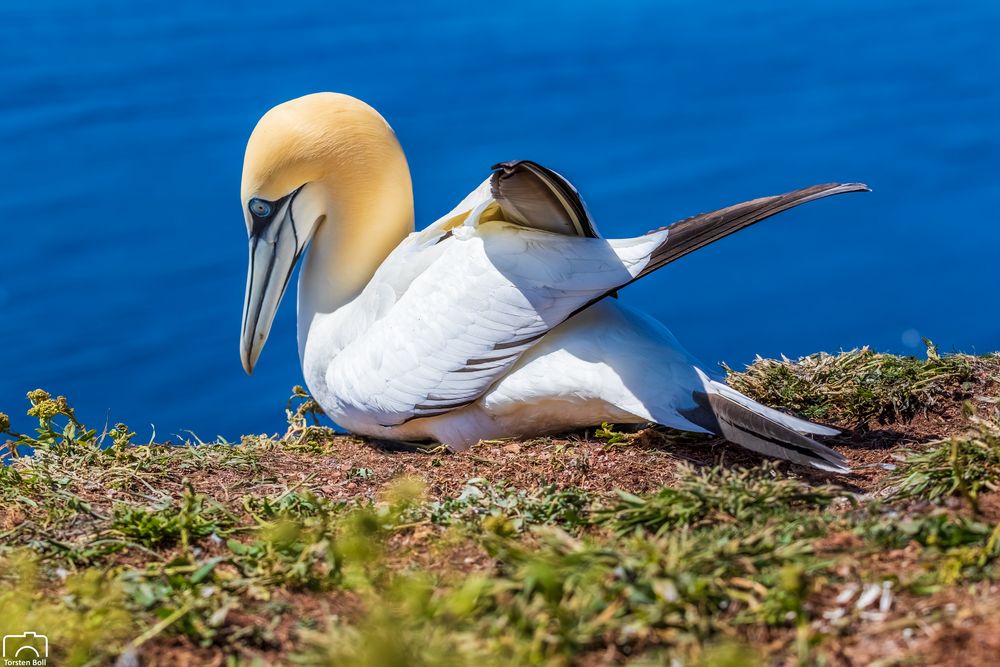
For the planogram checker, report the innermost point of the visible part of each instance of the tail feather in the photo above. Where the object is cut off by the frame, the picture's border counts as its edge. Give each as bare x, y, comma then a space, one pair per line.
760, 429
792, 422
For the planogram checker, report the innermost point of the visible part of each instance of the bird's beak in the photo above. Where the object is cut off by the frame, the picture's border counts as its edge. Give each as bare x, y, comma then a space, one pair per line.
275, 248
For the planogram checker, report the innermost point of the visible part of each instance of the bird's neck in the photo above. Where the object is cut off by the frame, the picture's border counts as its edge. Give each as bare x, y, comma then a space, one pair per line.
369, 212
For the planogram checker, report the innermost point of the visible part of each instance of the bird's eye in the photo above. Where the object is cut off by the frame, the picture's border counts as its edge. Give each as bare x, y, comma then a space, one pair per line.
260, 208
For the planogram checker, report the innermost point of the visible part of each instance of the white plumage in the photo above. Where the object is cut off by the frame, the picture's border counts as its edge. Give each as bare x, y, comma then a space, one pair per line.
495, 321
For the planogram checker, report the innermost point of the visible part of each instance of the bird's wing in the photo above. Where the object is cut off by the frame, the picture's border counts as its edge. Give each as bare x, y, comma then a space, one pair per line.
488, 293
527, 194
531, 195
461, 301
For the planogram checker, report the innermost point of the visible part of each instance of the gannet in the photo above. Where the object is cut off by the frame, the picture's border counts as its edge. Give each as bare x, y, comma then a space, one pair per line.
498, 320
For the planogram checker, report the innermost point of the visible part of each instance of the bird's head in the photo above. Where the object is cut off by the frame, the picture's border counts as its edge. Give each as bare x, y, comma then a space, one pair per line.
314, 162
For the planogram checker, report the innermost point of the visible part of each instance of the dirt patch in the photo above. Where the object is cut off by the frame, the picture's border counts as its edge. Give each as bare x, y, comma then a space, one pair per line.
846, 621
971, 641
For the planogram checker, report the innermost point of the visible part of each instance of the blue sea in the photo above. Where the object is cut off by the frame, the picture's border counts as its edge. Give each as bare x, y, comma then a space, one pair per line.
123, 124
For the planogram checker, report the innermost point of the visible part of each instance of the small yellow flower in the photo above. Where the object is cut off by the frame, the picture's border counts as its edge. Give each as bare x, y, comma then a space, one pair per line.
38, 395
42, 405
4, 422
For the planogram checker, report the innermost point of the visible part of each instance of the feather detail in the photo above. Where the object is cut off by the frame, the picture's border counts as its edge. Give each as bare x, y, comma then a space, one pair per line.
742, 421
534, 196
698, 231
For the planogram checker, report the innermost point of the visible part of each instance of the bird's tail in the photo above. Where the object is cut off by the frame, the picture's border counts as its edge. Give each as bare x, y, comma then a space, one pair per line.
739, 419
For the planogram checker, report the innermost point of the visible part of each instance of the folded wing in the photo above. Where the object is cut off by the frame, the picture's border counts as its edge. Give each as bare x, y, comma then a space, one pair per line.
490, 293
518, 257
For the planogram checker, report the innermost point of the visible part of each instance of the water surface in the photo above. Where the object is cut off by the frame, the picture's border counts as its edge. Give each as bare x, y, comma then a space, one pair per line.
123, 123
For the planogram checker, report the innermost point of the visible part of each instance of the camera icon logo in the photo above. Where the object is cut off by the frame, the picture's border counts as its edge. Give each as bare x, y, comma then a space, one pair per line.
29, 649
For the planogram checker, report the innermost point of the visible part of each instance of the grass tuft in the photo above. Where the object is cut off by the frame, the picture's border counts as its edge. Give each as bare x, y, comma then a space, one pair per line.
501, 507
858, 386
708, 497
168, 523
963, 465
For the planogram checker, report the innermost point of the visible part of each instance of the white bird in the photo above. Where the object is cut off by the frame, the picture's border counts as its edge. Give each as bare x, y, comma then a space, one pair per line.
495, 321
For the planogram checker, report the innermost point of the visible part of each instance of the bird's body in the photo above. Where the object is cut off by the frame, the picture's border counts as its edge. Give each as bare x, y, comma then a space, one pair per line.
495, 321
454, 293
607, 364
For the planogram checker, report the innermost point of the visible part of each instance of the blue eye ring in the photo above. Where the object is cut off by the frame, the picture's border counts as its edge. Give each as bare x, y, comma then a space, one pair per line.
260, 208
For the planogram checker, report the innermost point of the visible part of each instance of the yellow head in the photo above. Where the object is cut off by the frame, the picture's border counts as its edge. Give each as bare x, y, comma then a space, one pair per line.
321, 164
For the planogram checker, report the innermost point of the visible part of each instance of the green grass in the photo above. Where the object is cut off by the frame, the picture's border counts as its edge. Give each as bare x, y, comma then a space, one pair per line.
964, 465
501, 507
109, 546
169, 522
87, 621
718, 496
858, 386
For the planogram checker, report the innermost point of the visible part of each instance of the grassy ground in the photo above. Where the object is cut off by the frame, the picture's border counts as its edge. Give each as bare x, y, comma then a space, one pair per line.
601, 548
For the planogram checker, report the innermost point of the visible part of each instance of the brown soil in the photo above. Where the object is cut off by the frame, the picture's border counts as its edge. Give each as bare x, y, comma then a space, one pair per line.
955, 627
959, 629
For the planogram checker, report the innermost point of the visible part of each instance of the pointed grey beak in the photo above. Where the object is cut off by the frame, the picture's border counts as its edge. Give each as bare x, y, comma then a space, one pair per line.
275, 247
